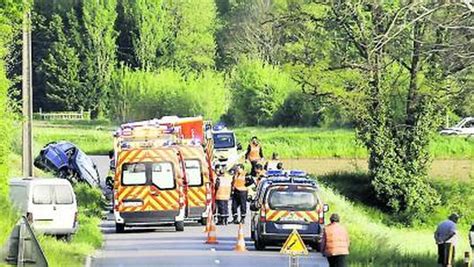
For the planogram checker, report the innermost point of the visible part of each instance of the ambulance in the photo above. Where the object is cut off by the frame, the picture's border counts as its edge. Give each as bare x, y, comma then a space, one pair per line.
149, 182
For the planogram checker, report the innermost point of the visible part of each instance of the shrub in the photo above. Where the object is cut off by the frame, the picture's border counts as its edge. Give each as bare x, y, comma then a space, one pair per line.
258, 91
89, 200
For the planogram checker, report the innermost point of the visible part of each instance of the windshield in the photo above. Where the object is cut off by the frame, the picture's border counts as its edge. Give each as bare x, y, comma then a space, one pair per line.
293, 200
86, 168
193, 172
223, 140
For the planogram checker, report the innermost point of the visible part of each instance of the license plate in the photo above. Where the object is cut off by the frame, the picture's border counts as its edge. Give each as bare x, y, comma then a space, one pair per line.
132, 204
292, 226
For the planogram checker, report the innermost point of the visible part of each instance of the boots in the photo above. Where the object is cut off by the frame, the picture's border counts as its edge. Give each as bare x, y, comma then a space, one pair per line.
220, 220
224, 220
236, 219
242, 220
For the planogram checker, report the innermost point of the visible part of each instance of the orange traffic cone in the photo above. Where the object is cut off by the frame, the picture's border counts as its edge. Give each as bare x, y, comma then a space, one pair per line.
240, 246
211, 235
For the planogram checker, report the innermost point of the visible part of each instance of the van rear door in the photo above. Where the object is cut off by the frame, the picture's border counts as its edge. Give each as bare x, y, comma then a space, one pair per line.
42, 206
64, 208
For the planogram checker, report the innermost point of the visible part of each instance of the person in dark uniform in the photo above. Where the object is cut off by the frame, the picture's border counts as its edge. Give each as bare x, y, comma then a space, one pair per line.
239, 195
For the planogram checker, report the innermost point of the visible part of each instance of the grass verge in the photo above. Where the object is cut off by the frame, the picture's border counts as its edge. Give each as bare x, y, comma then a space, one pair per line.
374, 243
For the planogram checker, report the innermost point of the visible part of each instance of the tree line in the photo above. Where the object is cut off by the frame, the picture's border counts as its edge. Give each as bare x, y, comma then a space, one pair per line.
391, 69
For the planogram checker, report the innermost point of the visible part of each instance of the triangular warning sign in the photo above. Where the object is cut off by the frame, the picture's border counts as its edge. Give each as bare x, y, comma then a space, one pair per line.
294, 245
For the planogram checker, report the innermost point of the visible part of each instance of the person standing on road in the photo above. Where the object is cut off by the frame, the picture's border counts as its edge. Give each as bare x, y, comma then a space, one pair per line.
335, 243
239, 195
223, 192
254, 153
446, 236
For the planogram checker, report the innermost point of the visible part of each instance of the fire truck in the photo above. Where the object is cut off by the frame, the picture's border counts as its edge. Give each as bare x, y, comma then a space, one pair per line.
162, 174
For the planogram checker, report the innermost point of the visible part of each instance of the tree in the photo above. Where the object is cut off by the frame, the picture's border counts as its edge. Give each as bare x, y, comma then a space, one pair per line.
99, 20
62, 69
152, 24
192, 44
258, 91
382, 48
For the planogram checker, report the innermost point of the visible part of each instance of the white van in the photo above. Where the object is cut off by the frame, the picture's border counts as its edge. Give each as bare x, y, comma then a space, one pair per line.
48, 203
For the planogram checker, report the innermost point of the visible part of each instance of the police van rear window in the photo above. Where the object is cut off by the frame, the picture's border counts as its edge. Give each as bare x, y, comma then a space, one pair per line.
292, 200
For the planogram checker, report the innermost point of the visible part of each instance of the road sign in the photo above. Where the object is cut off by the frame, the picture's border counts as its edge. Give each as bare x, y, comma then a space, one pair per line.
294, 245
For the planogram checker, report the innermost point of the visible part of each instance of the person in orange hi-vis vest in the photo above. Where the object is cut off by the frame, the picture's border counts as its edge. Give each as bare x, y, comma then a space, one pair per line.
254, 153
335, 243
239, 195
223, 192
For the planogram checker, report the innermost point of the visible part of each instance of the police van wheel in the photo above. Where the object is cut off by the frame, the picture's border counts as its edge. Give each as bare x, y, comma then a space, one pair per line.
179, 226
119, 227
258, 243
203, 221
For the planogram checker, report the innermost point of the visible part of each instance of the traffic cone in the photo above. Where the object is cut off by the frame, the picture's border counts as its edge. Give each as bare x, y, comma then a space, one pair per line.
240, 246
211, 235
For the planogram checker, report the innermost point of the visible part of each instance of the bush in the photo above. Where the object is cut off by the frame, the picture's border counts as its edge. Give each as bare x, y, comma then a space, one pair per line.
138, 95
258, 92
298, 111
89, 199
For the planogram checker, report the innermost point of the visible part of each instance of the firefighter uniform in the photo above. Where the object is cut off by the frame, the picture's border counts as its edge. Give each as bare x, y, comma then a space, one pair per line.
239, 197
224, 188
254, 155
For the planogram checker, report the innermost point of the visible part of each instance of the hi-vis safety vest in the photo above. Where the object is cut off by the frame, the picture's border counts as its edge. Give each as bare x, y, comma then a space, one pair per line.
239, 181
225, 185
254, 154
337, 240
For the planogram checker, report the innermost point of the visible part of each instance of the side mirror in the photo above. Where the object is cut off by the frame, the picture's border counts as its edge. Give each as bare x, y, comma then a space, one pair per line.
239, 146
325, 208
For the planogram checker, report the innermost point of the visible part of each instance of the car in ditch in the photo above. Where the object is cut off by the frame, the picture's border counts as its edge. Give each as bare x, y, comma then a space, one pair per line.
284, 201
67, 161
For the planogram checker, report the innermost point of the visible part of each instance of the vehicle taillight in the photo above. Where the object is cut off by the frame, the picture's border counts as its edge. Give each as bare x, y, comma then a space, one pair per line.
321, 216
263, 215
29, 217
75, 219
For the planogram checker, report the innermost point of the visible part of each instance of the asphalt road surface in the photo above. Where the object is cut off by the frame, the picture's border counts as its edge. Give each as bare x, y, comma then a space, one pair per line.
162, 246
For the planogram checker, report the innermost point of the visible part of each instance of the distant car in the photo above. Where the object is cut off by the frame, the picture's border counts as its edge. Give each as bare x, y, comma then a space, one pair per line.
464, 127
67, 161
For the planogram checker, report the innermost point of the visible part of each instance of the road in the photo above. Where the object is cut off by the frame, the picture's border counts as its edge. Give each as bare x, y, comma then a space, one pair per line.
162, 246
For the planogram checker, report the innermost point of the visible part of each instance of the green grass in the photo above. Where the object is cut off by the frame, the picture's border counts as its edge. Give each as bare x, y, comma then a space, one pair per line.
95, 137
373, 243
84, 242
338, 143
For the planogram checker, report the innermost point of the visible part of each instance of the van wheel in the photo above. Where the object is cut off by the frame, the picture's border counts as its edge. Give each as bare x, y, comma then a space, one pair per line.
179, 226
119, 227
203, 220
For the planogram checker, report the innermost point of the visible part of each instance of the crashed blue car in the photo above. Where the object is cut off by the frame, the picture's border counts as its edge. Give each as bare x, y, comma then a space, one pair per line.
67, 161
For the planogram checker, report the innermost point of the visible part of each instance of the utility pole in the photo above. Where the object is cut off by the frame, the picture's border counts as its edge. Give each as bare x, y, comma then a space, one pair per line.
27, 95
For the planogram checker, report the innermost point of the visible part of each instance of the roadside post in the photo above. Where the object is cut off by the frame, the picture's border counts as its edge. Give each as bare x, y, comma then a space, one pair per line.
294, 247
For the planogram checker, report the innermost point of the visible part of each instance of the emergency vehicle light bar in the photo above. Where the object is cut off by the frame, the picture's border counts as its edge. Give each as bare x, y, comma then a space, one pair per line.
275, 173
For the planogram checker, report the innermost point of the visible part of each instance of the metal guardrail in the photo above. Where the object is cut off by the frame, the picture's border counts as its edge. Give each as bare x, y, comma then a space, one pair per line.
63, 115
23, 248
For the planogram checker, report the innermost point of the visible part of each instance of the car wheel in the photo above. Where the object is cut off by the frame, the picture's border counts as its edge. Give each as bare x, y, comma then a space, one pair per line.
258, 242
119, 227
179, 226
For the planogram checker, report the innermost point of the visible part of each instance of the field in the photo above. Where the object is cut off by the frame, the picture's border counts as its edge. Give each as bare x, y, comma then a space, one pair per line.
291, 143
